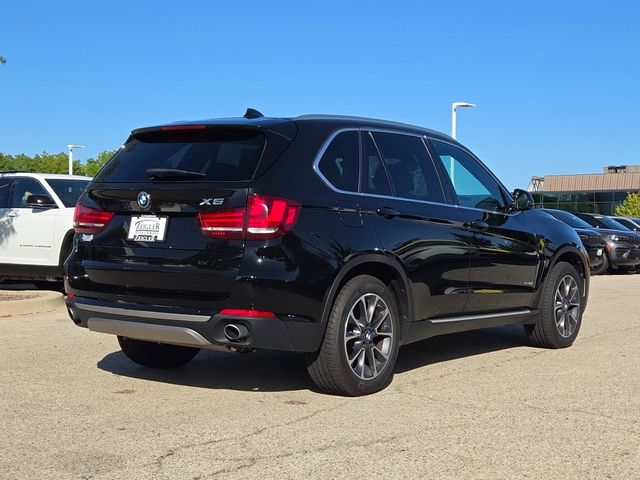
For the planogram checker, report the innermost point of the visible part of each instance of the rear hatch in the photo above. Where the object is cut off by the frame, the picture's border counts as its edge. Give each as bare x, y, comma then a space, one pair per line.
153, 198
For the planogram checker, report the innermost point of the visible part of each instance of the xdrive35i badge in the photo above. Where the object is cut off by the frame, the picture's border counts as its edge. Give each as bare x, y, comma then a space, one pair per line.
144, 199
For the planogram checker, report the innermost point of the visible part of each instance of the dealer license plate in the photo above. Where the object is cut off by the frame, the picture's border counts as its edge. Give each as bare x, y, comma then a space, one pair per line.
147, 228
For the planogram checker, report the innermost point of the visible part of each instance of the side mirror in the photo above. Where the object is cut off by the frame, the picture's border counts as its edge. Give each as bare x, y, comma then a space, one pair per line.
522, 200
40, 201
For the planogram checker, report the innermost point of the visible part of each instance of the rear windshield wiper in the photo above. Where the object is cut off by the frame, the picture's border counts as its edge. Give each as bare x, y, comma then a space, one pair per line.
172, 173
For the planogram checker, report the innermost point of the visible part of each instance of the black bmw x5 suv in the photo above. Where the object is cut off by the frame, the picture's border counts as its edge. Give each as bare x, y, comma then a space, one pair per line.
340, 237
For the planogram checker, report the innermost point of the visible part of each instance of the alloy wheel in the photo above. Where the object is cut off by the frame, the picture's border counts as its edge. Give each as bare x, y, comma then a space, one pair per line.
368, 336
567, 306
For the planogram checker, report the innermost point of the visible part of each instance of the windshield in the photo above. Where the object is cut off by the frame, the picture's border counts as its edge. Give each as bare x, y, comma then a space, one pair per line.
68, 190
218, 154
569, 218
630, 224
607, 222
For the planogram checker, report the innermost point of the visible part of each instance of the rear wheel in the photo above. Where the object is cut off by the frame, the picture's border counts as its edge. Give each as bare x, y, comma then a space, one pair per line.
561, 309
361, 342
156, 355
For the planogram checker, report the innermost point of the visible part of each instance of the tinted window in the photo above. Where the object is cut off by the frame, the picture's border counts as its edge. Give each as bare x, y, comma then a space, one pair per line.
569, 218
4, 192
607, 222
68, 190
627, 223
221, 155
410, 168
471, 182
375, 179
340, 162
22, 189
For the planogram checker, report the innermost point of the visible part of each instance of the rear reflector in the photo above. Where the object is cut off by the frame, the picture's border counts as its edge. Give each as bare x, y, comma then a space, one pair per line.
90, 220
264, 217
246, 313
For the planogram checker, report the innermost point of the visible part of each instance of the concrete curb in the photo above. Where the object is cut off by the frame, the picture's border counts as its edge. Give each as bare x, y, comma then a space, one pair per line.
34, 301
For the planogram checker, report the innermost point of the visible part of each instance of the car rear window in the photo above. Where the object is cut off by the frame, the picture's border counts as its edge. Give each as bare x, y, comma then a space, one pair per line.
222, 155
68, 190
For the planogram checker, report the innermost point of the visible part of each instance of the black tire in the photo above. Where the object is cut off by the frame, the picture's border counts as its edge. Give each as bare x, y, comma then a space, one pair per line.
548, 331
330, 369
603, 267
156, 355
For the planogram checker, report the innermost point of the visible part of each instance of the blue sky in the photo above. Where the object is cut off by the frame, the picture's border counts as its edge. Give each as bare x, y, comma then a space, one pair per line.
556, 83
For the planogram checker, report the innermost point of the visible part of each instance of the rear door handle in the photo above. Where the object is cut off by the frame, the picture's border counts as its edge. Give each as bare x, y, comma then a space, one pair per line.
477, 224
12, 214
387, 212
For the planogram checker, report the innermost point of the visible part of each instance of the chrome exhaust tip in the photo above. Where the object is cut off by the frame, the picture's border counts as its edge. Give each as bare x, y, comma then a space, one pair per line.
235, 332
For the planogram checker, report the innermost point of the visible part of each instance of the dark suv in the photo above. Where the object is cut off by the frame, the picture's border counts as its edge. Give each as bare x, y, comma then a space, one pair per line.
591, 238
623, 244
340, 237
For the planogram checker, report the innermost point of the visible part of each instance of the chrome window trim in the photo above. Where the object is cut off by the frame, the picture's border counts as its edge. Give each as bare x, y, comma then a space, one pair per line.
425, 138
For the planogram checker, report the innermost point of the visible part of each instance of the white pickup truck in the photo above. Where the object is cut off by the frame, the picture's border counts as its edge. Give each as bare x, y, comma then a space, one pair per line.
36, 224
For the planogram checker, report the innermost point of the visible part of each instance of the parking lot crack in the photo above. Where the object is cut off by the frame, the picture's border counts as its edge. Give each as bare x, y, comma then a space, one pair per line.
159, 461
248, 462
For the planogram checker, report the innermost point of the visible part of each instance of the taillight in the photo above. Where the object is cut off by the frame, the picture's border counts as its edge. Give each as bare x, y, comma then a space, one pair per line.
270, 217
264, 217
223, 224
90, 220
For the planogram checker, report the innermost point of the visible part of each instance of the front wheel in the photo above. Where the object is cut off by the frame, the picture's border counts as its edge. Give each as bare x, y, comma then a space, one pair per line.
361, 341
156, 355
560, 310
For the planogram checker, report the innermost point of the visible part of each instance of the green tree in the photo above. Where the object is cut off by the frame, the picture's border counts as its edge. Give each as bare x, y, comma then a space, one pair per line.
53, 163
630, 207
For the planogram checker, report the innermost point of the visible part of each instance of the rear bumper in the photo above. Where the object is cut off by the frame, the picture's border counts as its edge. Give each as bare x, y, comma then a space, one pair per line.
180, 326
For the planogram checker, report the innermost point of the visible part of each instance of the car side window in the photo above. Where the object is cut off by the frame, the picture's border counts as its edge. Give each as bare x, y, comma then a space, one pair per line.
413, 174
340, 163
375, 178
4, 192
473, 186
22, 189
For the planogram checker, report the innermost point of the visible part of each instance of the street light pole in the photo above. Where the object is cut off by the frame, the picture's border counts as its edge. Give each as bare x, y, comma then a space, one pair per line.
71, 147
454, 107
454, 127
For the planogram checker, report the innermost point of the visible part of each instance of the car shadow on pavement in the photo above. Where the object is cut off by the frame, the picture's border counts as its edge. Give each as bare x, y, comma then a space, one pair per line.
259, 371
458, 345
264, 371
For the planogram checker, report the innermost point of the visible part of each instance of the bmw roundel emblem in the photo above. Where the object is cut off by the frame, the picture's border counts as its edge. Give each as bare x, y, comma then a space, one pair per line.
144, 199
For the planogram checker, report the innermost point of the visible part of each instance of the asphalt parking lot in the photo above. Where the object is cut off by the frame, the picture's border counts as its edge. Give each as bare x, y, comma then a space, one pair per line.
472, 405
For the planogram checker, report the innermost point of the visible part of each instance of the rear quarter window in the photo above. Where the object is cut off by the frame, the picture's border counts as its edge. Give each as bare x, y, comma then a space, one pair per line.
222, 155
340, 163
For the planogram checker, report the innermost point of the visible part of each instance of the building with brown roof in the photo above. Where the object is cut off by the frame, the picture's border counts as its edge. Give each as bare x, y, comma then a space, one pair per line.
591, 192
